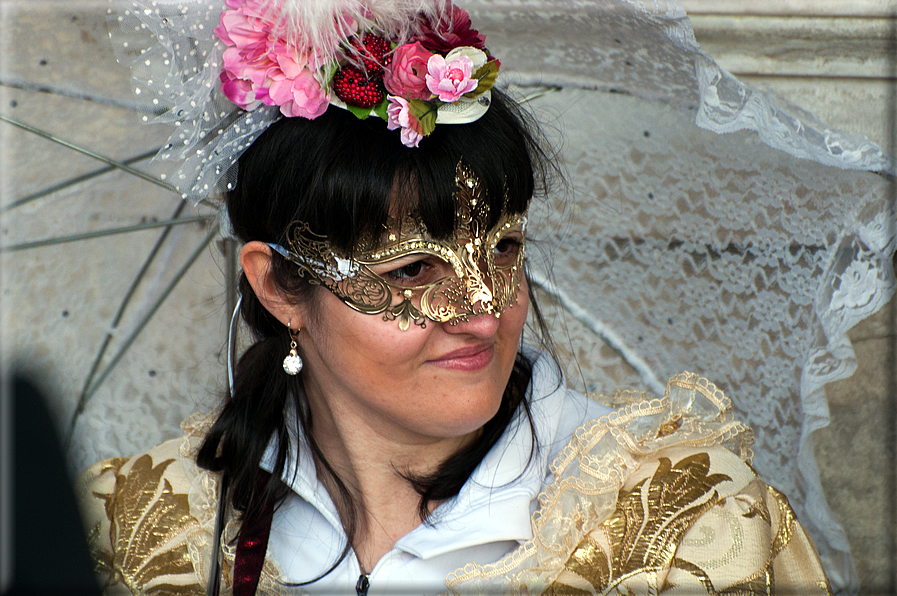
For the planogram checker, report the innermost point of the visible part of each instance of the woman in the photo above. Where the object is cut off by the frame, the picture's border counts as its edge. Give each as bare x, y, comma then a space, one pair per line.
411, 442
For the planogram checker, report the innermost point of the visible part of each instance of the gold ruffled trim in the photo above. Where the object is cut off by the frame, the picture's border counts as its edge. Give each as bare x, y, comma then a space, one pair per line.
590, 471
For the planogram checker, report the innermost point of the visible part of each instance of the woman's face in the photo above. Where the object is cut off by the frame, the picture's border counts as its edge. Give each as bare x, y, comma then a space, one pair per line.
439, 381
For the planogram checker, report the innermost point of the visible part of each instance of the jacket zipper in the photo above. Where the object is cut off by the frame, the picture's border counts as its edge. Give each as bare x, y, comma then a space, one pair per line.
361, 587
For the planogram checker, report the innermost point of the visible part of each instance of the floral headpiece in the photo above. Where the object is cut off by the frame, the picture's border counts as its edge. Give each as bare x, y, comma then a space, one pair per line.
412, 65
223, 71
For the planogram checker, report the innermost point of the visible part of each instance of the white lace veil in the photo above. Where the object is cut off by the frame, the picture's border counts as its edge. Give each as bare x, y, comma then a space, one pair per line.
744, 257
707, 226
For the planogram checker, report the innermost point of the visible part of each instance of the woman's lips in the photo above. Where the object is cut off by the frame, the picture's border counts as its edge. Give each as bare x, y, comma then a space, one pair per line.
467, 359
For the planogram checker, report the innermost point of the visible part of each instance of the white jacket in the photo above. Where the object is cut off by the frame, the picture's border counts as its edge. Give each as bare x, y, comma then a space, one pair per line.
489, 517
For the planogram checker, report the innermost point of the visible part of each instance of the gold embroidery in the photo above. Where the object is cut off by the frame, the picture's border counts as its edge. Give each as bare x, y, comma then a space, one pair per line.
759, 584
649, 536
696, 571
786, 522
145, 518
733, 543
758, 509
102, 558
708, 536
588, 562
669, 427
647, 524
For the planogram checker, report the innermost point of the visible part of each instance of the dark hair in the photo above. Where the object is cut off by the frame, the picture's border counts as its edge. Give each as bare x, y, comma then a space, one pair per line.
339, 175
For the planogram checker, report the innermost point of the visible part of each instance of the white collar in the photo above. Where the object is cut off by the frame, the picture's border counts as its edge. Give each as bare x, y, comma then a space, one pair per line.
505, 483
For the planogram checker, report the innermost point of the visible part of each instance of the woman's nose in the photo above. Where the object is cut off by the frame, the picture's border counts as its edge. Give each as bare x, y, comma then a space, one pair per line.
482, 326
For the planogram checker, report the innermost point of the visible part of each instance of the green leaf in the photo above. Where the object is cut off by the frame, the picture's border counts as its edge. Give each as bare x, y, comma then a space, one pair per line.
330, 69
425, 113
487, 75
381, 110
360, 113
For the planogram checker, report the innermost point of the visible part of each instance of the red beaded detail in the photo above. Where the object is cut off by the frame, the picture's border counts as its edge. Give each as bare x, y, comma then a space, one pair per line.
374, 52
356, 89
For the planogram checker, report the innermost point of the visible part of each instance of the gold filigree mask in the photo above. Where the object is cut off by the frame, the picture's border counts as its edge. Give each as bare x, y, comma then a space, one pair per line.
407, 275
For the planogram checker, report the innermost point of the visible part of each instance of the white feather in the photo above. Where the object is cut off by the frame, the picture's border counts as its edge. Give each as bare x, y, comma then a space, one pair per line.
322, 26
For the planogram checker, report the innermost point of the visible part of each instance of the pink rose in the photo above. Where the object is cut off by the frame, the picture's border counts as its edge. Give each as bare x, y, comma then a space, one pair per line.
450, 80
406, 74
254, 9
399, 115
447, 35
236, 29
288, 61
299, 96
250, 63
246, 56
259, 66
239, 91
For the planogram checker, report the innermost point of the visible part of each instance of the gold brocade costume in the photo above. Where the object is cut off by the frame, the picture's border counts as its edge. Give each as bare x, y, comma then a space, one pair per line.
655, 497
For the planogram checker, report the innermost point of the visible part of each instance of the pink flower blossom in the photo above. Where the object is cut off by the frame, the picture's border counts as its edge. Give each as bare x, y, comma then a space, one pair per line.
406, 74
254, 10
399, 115
238, 91
301, 95
237, 29
286, 60
450, 80
260, 67
448, 34
251, 64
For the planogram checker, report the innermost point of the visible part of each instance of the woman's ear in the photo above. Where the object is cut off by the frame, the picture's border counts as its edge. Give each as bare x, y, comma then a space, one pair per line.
255, 258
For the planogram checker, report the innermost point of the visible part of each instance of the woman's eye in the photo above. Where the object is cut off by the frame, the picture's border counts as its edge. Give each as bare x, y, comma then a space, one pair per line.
506, 251
411, 270
416, 273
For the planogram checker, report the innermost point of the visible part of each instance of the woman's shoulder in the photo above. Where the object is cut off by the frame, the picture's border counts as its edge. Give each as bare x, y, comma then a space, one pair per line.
146, 514
655, 494
691, 520
169, 465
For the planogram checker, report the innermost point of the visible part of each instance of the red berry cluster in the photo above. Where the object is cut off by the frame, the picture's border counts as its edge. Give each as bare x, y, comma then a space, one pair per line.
364, 87
356, 89
373, 51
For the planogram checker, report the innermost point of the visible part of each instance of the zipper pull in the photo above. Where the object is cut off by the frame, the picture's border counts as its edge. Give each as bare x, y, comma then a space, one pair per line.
361, 588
